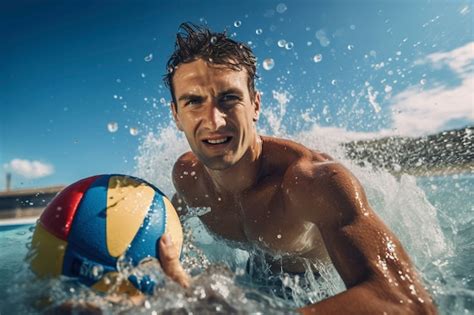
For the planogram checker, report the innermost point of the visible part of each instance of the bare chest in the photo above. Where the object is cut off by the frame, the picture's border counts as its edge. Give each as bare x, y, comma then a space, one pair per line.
262, 217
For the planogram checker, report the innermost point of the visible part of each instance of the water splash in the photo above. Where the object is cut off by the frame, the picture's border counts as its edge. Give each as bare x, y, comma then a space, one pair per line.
268, 64
317, 58
289, 45
281, 8
112, 127
281, 43
133, 131
148, 57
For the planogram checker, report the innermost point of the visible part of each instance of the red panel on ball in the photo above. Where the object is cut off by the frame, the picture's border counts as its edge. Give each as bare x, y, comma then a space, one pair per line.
58, 215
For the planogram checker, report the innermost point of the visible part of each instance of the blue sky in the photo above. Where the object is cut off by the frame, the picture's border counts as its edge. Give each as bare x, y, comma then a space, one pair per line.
68, 68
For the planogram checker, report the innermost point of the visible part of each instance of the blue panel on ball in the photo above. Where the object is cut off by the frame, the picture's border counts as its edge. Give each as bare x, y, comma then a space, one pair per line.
88, 230
83, 268
145, 242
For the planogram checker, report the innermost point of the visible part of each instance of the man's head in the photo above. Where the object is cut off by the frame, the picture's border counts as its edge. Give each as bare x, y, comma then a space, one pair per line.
214, 100
195, 42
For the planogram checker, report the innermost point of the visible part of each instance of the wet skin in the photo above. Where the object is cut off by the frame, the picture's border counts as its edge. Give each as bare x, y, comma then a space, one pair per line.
283, 197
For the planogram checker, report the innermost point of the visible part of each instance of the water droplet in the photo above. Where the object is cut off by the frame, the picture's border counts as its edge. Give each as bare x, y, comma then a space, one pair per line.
213, 40
133, 131
130, 59
317, 58
97, 271
388, 89
281, 8
258, 31
281, 43
118, 81
148, 58
115, 96
268, 64
147, 305
143, 75
465, 10
352, 27
237, 23
333, 82
279, 236
350, 47
162, 100
398, 53
112, 127
289, 45
423, 81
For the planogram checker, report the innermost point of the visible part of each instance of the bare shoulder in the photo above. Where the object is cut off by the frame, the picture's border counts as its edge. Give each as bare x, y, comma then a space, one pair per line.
324, 190
187, 173
185, 161
286, 153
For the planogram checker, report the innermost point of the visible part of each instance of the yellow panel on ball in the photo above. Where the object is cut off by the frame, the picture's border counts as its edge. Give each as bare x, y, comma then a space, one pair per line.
128, 201
47, 253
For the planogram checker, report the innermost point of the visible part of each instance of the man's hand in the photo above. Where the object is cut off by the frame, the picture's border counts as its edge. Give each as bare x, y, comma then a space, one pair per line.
169, 259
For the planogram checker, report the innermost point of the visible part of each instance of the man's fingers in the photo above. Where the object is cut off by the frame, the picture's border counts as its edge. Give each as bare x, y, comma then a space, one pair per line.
169, 259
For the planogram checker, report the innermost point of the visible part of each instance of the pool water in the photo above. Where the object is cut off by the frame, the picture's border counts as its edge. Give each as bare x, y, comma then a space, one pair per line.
434, 221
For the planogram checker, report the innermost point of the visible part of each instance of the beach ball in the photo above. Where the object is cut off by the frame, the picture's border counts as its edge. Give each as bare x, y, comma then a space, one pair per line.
92, 224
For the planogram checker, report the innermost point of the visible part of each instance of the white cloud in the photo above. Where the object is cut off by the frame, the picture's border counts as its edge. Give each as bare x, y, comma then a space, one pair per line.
460, 60
29, 169
420, 110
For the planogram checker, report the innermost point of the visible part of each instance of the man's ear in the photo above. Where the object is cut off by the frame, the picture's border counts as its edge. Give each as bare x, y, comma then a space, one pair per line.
256, 104
174, 110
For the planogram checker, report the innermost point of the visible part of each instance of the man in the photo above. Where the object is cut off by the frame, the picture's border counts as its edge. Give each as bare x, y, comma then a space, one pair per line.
274, 193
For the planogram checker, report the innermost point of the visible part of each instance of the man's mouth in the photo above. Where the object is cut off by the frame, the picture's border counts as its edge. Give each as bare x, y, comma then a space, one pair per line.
218, 141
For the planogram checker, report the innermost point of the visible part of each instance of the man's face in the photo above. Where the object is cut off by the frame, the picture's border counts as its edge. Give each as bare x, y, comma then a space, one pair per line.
215, 112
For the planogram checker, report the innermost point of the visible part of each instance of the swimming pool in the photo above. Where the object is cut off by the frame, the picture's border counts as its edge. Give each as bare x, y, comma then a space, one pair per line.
434, 221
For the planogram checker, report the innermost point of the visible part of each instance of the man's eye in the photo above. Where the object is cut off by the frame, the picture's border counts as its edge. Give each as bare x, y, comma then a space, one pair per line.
192, 102
230, 98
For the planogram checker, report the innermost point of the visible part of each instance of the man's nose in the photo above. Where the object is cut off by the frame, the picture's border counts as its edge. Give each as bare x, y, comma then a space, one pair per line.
214, 117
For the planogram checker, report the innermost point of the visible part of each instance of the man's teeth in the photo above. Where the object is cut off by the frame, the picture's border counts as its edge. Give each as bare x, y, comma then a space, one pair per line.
217, 141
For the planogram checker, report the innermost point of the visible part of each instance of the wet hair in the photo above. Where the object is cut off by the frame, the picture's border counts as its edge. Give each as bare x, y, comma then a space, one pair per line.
198, 42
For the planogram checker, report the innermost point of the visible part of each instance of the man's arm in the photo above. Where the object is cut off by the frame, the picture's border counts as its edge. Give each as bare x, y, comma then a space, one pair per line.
371, 261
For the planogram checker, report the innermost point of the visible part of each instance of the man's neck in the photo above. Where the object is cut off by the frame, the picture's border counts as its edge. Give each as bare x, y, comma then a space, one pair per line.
243, 175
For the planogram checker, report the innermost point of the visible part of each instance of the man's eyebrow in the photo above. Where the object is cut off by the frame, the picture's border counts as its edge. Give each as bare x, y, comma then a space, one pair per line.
189, 96
231, 91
